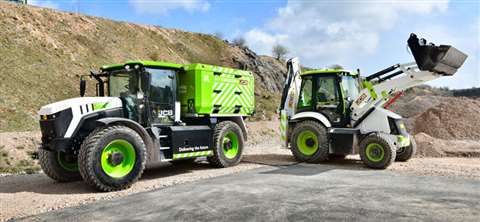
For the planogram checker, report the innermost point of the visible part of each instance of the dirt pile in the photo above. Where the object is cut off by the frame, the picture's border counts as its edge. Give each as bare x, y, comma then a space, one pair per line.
443, 125
435, 147
457, 119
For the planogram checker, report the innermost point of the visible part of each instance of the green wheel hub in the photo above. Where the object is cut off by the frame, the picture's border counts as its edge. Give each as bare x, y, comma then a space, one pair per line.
375, 152
118, 158
307, 142
230, 145
66, 162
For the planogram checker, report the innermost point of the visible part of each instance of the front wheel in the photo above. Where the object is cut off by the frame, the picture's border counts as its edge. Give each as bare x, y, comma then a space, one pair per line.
59, 166
227, 145
377, 151
406, 153
112, 158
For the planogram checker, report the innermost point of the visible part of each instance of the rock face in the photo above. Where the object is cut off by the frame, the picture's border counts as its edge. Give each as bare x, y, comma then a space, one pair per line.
271, 72
45, 51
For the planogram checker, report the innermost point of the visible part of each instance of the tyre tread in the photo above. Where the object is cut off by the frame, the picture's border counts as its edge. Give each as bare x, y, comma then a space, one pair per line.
87, 155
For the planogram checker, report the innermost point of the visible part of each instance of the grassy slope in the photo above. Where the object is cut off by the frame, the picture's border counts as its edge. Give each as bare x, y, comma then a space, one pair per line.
44, 52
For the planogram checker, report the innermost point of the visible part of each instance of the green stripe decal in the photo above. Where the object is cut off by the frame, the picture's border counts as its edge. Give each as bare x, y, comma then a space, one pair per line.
97, 106
192, 154
227, 96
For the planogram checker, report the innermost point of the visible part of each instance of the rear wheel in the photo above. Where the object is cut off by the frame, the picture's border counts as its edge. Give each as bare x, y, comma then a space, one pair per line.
309, 142
406, 153
59, 166
227, 145
112, 158
377, 151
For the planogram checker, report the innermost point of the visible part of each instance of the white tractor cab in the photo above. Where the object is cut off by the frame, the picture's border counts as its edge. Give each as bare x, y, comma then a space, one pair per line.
332, 113
146, 112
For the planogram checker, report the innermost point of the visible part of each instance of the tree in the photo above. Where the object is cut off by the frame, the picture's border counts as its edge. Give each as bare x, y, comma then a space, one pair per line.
240, 42
279, 51
335, 66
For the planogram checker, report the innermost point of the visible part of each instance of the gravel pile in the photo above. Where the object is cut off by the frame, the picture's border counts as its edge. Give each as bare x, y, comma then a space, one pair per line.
457, 119
434, 147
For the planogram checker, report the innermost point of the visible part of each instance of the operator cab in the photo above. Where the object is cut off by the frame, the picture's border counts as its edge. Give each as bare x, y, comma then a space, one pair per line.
147, 91
329, 92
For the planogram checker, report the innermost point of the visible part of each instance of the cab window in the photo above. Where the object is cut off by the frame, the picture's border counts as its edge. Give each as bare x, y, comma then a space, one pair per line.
327, 93
161, 95
305, 99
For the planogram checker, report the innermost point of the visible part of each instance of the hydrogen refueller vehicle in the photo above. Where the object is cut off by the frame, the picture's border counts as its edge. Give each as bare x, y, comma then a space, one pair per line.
146, 112
332, 113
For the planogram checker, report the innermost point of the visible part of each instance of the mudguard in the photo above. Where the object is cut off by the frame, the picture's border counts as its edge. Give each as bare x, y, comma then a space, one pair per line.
312, 115
147, 139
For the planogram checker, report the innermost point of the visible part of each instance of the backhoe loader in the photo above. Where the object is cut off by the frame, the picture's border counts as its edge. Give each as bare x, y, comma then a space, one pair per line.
331, 113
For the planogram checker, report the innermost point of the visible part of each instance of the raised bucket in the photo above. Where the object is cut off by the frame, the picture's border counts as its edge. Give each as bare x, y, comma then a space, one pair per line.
443, 59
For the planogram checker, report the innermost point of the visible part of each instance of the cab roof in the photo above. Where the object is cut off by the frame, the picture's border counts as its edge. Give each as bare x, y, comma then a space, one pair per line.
153, 64
329, 71
168, 65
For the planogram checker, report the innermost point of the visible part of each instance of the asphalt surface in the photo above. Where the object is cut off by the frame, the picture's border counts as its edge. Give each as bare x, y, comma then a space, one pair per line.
300, 192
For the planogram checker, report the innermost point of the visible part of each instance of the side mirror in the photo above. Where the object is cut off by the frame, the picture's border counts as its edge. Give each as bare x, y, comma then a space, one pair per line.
83, 85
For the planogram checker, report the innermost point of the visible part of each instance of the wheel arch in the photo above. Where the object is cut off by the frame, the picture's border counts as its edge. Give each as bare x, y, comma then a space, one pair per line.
239, 121
311, 116
149, 143
303, 116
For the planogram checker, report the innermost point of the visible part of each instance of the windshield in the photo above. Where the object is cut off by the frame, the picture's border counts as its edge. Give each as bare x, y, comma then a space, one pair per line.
350, 86
121, 83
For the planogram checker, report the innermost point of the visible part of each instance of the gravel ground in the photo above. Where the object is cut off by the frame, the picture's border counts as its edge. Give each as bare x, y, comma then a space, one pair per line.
22, 195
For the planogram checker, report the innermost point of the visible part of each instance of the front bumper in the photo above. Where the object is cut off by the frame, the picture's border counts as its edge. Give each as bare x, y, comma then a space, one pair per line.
57, 144
53, 128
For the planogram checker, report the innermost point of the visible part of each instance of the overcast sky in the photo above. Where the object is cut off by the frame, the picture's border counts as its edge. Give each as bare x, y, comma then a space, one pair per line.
369, 35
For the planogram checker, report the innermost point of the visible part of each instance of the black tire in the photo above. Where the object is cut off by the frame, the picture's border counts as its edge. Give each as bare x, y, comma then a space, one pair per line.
322, 148
406, 153
219, 158
52, 165
383, 145
90, 158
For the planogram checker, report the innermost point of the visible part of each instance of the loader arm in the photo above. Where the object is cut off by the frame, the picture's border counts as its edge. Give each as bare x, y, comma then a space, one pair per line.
380, 88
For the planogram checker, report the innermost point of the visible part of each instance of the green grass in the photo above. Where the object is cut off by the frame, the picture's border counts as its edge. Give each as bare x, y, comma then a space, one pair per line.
43, 67
42, 58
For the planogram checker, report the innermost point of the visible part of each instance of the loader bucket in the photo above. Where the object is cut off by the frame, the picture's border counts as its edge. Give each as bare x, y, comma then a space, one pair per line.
443, 59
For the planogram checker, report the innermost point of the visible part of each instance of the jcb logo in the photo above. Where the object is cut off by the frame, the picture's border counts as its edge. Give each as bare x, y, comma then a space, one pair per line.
163, 113
360, 99
243, 82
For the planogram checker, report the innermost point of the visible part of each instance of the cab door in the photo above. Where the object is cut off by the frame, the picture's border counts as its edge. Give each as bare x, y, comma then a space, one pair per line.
161, 96
327, 98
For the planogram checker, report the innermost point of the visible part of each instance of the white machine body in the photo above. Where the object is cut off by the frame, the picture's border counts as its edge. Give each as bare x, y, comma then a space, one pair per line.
81, 106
